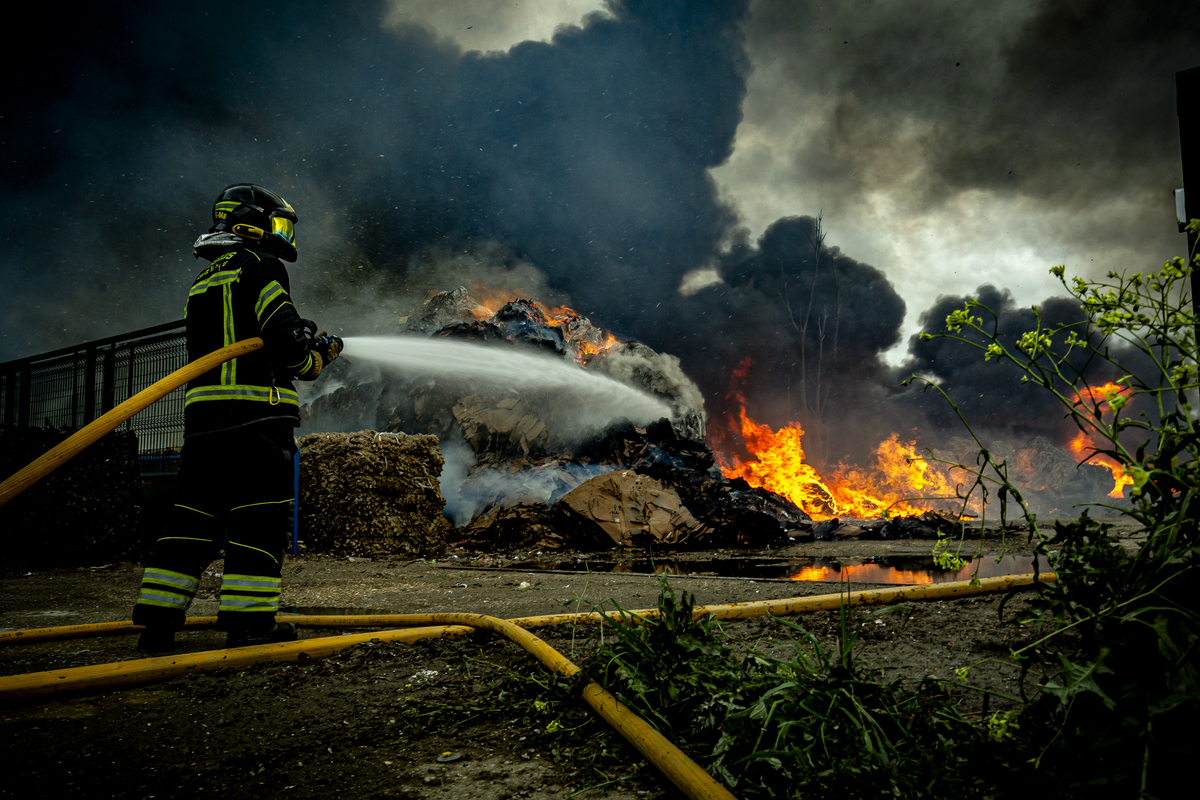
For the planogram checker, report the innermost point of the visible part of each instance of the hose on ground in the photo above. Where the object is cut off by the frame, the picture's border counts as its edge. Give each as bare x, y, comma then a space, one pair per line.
693, 781
784, 607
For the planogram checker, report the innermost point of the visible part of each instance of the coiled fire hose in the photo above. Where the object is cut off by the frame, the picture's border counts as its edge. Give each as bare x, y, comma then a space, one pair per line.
677, 767
66, 450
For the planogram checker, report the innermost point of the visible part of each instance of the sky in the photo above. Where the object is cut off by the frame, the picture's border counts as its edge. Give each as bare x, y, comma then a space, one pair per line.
659, 165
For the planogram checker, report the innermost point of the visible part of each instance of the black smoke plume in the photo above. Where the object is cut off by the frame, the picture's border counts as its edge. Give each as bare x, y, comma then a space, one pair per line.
990, 393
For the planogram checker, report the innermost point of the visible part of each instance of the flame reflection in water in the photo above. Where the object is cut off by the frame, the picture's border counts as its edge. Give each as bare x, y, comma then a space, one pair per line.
906, 570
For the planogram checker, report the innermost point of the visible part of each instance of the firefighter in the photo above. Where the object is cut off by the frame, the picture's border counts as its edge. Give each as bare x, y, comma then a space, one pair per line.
235, 477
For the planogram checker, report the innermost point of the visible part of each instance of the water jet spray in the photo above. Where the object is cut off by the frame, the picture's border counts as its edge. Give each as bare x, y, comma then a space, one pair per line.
507, 367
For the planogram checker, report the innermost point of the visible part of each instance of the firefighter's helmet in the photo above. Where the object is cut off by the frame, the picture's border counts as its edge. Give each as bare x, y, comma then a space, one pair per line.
259, 216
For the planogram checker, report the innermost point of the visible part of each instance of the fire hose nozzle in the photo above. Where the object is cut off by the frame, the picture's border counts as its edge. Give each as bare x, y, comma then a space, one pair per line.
328, 345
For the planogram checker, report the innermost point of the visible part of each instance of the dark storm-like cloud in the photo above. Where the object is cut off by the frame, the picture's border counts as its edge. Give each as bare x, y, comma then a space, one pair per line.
586, 156
989, 393
1068, 101
1039, 97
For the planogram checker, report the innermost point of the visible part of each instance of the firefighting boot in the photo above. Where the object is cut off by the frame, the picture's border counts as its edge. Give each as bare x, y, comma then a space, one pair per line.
156, 640
282, 632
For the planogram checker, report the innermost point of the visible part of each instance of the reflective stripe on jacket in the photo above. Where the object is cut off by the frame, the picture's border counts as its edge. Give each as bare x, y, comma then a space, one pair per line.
243, 294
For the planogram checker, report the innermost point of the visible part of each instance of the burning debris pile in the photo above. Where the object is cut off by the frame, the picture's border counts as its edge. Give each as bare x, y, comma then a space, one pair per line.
371, 494
908, 482
531, 465
533, 469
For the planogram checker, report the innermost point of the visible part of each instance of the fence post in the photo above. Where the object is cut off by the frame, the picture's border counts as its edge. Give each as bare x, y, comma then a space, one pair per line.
296, 503
10, 397
108, 390
25, 396
89, 386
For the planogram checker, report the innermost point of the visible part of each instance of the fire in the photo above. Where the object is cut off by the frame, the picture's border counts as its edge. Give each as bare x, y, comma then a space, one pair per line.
577, 330
900, 482
1083, 447
490, 300
1099, 394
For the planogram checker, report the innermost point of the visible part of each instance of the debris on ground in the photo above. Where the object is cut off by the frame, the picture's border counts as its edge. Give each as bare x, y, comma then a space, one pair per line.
633, 510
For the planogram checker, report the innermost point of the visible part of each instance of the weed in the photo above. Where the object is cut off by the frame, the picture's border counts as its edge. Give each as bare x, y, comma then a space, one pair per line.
769, 727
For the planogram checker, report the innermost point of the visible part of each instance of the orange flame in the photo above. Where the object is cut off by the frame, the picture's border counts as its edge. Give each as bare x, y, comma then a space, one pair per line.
576, 329
1099, 394
490, 300
899, 475
1083, 446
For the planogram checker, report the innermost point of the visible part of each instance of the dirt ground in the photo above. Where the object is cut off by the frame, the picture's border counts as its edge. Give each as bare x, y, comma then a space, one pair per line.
361, 724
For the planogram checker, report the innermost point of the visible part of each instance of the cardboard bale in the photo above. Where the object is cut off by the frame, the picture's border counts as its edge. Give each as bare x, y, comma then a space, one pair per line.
371, 494
634, 510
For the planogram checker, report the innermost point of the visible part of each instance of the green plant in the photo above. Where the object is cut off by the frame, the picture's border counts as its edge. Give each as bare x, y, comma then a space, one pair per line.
1120, 626
816, 724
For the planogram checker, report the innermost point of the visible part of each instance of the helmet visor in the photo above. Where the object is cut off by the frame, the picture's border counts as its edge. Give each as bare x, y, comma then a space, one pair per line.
285, 228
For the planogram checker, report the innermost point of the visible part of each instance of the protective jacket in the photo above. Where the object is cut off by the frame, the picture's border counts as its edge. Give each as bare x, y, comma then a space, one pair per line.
242, 294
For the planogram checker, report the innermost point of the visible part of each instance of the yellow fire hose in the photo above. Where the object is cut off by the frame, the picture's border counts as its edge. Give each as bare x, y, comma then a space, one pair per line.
668, 759
776, 608
82, 438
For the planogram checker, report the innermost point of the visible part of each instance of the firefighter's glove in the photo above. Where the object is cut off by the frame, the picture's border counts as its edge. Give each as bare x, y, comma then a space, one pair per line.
314, 370
329, 346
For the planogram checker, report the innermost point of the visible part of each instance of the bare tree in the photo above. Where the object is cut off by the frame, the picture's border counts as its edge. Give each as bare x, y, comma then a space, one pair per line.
815, 388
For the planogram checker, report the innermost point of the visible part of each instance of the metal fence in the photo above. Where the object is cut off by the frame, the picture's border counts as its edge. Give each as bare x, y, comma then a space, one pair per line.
68, 388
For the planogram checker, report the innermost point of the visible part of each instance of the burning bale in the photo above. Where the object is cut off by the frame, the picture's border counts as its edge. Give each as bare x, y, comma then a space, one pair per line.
355, 392
371, 494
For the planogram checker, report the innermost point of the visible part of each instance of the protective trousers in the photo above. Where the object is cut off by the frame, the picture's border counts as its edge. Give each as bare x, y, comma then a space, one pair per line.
234, 492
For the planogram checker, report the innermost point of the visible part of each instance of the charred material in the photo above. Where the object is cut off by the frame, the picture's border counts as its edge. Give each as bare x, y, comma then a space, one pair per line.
532, 526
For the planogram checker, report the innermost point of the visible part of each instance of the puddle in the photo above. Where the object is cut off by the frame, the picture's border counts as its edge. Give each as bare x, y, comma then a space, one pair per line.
897, 570
333, 611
